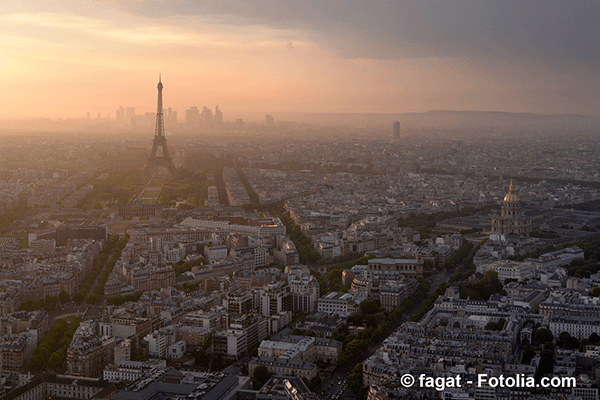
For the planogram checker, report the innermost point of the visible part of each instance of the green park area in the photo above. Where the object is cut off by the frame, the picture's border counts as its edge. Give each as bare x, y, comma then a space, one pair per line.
150, 193
51, 353
118, 188
184, 186
156, 183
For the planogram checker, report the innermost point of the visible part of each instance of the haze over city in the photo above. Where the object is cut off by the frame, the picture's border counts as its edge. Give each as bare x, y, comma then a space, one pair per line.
62, 59
299, 200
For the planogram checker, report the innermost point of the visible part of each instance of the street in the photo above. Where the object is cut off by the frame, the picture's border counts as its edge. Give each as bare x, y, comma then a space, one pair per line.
336, 388
67, 310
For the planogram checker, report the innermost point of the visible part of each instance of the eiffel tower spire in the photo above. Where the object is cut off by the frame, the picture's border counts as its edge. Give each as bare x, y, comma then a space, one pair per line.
156, 165
160, 123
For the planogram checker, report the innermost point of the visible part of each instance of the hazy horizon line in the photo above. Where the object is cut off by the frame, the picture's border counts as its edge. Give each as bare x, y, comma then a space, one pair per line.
264, 113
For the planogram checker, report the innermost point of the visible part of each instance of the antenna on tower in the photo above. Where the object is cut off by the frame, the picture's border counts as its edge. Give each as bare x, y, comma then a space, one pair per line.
159, 77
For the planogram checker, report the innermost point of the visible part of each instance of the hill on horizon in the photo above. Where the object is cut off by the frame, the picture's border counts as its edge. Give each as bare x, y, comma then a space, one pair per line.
448, 118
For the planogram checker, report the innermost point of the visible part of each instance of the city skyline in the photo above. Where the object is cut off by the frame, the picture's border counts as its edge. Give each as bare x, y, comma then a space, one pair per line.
329, 200
65, 59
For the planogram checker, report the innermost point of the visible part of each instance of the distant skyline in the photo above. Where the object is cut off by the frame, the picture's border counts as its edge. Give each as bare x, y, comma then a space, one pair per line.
64, 58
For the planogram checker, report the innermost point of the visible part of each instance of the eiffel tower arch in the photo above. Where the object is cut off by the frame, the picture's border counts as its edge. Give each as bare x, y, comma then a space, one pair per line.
159, 162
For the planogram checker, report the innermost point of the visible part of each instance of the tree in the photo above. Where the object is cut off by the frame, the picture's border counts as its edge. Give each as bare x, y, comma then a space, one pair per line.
63, 296
566, 341
595, 291
260, 376
52, 349
355, 378
38, 361
51, 301
370, 306
314, 383
594, 339
56, 360
79, 297
352, 348
546, 361
528, 355
495, 326
543, 335
483, 289
92, 299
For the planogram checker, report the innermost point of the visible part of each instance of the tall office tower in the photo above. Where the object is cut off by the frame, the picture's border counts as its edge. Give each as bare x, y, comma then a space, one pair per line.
218, 117
171, 117
396, 133
149, 119
159, 164
269, 121
192, 116
206, 117
130, 115
120, 113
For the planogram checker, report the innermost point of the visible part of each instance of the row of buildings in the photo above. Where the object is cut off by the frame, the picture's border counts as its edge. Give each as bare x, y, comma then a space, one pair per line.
41, 271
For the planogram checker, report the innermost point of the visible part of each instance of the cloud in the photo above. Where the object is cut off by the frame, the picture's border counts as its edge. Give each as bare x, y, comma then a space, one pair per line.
453, 50
548, 30
545, 31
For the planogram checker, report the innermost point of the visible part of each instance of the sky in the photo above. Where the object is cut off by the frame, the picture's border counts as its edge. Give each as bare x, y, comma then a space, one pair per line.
64, 58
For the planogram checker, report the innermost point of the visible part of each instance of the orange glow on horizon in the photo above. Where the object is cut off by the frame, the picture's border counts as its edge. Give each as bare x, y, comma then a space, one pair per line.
63, 64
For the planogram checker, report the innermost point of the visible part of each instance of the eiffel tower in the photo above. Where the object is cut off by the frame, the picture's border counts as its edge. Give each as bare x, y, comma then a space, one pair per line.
158, 165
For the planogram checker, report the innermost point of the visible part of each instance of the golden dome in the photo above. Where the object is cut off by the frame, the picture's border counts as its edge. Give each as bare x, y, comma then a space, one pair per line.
511, 197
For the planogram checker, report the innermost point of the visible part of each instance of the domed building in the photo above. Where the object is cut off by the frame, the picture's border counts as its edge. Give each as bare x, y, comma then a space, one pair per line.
511, 219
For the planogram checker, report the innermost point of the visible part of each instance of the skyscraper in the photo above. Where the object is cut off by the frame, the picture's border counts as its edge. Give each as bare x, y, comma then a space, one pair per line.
218, 117
120, 113
396, 130
171, 116
192, 116
130, 115
206, 117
